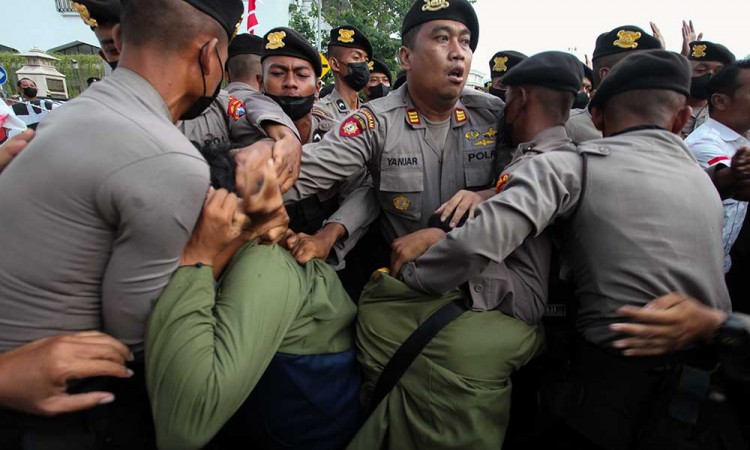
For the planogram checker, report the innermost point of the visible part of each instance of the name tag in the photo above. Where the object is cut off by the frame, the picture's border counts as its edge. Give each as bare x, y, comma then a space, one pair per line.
411, 161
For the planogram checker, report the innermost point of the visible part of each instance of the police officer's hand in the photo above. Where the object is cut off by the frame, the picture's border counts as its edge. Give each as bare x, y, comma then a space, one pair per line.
34, 377
218, 225
457, 206
688, 36
658, 35
410, 247
667, 324
13, 147
263, 203
287, 154
304, 247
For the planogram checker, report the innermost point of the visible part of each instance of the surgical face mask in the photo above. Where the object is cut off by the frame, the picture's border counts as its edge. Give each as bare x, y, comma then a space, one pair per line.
29, 92
581, 101
358, 76
500, 93
379, 91
699, 87
294, 107
204, 101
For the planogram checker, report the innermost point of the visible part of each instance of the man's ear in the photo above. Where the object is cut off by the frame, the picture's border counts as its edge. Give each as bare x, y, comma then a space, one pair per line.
207, 52
117, 37
404, 55
335, 64
681, 119
720, 102
318, 87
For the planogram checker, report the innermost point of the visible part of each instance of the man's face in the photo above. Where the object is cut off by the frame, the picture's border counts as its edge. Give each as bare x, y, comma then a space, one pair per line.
289, 76
739, 105
441, 58
701, 68
587, 86
377, 78
104, 34
346, 55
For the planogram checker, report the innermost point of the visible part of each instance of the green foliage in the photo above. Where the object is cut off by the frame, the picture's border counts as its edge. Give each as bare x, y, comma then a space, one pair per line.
88, 66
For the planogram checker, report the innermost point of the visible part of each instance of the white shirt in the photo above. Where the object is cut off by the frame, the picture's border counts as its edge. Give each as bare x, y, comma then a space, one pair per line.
714, 143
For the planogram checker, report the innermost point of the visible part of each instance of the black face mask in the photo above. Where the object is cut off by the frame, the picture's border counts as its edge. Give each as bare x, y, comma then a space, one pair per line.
581, 101
112, 64
379, 91
507, 127
500, 93
29, 92
699, 87
294, 107
358, 76
204, 101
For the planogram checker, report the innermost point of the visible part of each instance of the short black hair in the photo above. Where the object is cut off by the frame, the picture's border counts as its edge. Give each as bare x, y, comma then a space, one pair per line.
221, 164
726, 80
243, 67
18, 83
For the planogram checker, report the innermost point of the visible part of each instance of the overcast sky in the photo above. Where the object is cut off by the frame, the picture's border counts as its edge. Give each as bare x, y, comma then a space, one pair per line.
532, 26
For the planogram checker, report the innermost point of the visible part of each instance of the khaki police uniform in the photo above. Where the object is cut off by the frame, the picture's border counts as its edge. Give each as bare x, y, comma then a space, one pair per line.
246, 116
390, 137
335, 106
580, 127
635, 236
212, 126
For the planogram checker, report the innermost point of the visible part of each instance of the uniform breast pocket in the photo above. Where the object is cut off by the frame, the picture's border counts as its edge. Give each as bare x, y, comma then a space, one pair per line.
401, 192
478, 162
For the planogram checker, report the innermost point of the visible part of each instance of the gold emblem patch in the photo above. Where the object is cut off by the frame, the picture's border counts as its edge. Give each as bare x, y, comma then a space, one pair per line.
412, 116
490, 133
401, 203
628, 39
371, 65
485, 142
85, 15
276, 40
501, 64
435, 5
699, 51
346, 36
471, 135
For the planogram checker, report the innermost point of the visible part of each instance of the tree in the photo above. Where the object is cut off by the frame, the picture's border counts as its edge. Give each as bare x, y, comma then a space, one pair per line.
379, 20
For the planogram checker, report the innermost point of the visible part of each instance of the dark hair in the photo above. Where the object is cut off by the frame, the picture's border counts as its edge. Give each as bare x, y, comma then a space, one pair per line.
18, 83
220, 163
244, 67
726, 80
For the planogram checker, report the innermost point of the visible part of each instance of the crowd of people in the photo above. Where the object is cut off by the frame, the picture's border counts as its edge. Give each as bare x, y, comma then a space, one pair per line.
205, 250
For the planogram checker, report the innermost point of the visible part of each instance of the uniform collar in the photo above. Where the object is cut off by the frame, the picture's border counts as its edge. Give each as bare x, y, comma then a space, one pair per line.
238, 85
142, 90
725, 133
556, 135
416, 120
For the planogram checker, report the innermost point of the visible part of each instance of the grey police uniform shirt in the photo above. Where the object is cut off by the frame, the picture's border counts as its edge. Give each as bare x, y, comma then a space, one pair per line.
247, 117
580, 127
212, 126
96, 211
518, 285
635, 236
390, 137
335, 105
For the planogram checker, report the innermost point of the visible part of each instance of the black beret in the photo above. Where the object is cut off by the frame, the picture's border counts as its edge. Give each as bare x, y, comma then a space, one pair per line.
588, 72
708, 51
377, 66
428, 10
554, 70
227, 12
246, 44
348, 36
654, 69
283, 41
503, 61
624, 39
95, 12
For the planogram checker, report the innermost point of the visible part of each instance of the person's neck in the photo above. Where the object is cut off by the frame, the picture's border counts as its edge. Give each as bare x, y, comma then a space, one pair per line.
304, 127
612, 127
347, 93
159, 70
730, 122
531, 128
432, 108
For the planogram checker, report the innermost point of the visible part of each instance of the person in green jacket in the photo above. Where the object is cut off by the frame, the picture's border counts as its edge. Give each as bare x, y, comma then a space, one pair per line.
265, 355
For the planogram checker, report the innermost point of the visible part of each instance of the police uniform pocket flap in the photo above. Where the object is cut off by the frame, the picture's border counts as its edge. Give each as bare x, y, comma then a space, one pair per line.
402, 181
400, 193
478, 176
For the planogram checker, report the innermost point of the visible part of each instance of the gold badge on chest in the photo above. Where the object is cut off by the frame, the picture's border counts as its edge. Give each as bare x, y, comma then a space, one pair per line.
401, 203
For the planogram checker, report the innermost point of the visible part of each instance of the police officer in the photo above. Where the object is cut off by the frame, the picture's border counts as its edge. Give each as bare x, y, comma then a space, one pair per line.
291, 77
245, 52
102, 16
706, 58
423, 142
611, 48
615, 261
349, 52
500, 64
380, 81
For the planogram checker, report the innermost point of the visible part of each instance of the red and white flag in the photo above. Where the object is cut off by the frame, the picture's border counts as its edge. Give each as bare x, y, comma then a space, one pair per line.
252, 19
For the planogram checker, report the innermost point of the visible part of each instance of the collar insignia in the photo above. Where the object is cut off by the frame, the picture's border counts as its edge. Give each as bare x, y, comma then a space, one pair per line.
341, 105
500, 64
276, 40
627, 39
460, 115
699, 51
412, 116
85, 15
346, 36
435, 5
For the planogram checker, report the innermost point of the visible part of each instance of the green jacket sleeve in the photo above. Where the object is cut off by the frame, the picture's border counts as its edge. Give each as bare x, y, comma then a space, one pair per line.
205, 351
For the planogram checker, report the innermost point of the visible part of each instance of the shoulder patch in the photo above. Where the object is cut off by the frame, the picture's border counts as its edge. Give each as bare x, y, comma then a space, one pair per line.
321, 112
413, 117
236, 108
353, 126
369, 117
501, 182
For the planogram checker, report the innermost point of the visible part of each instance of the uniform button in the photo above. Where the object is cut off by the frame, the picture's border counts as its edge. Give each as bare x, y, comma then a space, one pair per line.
604, 150
478, 288
410, 271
